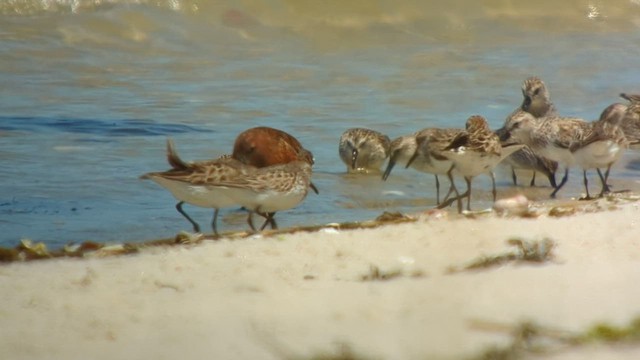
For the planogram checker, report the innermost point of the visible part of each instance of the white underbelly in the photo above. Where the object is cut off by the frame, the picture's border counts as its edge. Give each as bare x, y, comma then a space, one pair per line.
598, 154
560, 155
472, 164
268, 201
198, 195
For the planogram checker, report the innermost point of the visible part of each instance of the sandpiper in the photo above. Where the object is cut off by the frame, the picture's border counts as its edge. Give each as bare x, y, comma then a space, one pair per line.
536, 101
268, 189
264, 146
549, 136
599, 147
363, 150
475, 151
420, 151
630, 123
188, 182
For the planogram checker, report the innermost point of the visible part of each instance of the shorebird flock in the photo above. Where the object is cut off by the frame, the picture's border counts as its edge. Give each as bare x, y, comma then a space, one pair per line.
269, 170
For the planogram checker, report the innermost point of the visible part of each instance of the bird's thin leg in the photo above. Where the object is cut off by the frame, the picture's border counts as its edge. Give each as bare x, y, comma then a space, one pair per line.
269, 220
196, 227
493, 185
468, 180
437, 190
273, 220
213, 222
452, 188
514, 177
562, 182
446, 197
586, 185
250, 221
552, 179
604, 179
533, 180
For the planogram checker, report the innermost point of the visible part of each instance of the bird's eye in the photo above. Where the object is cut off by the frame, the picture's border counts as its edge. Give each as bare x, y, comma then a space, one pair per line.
536, 92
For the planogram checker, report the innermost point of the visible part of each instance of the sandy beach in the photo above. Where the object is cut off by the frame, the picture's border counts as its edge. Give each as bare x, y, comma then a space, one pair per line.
398, 291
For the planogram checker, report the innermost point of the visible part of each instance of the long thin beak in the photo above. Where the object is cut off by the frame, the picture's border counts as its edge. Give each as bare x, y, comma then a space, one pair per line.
354, 158
413, 157
314, 188
387, 171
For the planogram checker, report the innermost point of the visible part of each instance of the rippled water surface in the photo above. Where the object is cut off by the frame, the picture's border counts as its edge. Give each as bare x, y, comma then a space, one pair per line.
91, 89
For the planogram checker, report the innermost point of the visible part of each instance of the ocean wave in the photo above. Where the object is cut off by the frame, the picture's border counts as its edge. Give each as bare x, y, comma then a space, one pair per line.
35, 7
329, 24
356, 14
117, 128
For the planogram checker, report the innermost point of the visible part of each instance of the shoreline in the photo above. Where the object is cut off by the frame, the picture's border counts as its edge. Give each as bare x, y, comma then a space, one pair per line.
393, 291
28, 250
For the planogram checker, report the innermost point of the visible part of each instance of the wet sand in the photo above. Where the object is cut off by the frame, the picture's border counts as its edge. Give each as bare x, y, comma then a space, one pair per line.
394, 292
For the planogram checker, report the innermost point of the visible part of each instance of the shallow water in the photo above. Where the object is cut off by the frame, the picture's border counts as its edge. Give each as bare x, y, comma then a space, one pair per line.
91, 89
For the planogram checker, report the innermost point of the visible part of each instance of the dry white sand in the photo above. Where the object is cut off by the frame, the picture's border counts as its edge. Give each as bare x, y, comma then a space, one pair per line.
302, 295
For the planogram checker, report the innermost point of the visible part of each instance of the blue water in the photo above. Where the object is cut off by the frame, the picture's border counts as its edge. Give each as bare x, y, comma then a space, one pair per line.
89, 95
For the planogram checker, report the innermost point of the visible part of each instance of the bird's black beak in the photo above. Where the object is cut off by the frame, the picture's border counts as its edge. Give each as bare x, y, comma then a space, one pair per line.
413, 157
314, 188
387, 171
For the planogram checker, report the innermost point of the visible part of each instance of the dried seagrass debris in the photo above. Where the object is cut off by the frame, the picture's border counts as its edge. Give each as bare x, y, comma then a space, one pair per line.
28, 250
562, 211
392, 217
608, 333
529, 338
375, 273
536, 251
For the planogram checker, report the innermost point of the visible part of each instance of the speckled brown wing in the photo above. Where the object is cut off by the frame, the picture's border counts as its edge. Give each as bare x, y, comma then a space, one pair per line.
631, 124
484, 140
460, 139
433, 141
200, 172
276, 177
600, 130
568, 131
206, 174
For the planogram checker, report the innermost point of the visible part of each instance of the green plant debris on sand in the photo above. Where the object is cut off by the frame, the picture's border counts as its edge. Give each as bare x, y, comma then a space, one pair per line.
537, 251
608, 333
343, 352
339, 350
27, 250
376, 274
528, 338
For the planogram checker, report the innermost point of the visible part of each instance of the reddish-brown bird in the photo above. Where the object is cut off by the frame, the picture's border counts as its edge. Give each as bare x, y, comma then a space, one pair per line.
264, 146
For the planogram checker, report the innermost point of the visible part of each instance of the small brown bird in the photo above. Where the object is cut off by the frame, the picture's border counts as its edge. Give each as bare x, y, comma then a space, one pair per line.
537, 102
264, 146
188, 182
363, 150
475, 151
